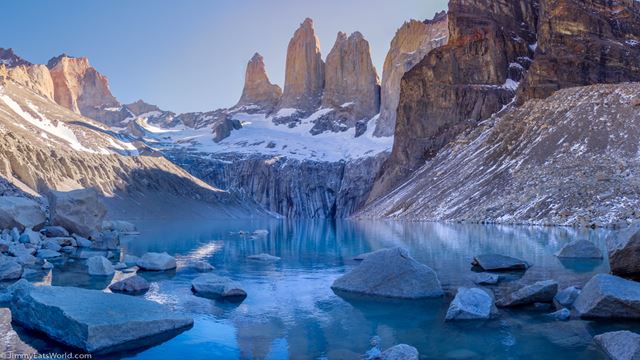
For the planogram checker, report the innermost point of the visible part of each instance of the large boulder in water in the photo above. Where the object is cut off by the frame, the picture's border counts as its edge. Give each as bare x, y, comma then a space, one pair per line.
400, 352
609, 296
619, 345
541, 291
580, 249
91, 320
496, 262
100, 266
20, 212
135, 284
214, 286
470, 304
624, 252
391, 273
157, 262
79, 211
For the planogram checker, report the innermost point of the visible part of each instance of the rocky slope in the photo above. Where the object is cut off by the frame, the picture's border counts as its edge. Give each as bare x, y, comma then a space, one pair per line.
413, 40
571, 159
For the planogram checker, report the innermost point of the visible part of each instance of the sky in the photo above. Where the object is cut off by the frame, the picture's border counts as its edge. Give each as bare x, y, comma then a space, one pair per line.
190, 55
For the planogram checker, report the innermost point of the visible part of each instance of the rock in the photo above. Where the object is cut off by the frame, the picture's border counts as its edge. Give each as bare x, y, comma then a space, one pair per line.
470, 304
20, 212
609, 296
82, 242
68, 249
10, 269
304, 71
400, 352
486, 278
214, 286
106, 240
258, 90
413, 40
580, 249
23, 255
80, 211
47, 265
90, 320
263, 257
495, 262
562, 314
52, 245
99, 266
541, 291
30, 237
120, 266
201, 266
350, 77
47, 254
624, 250
55, 231
134, 284
362, 256
10, 342
619, 345
157, 262
391, 273
119, 226
131, 260
65, 241
15, 234
567, 296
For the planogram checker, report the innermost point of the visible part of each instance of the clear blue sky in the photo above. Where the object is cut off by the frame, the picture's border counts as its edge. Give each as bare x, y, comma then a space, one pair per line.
190, 55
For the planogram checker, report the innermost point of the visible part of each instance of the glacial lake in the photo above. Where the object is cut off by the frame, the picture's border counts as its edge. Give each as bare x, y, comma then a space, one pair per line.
292, 313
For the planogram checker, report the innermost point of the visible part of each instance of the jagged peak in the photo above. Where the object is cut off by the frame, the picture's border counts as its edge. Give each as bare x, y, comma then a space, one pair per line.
257, 58
9, 58
356, 35
439, 16
307, 23
54, 61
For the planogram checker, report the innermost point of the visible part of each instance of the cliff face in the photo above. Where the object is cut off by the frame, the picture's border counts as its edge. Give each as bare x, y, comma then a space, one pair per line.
582, 43
258, 90
350, 77
410, 44
304, 73
461, 83
34, 77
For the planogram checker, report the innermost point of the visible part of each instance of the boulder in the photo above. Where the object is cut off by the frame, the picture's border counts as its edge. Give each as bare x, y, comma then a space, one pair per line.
214, 286
580, 249
99, 266
10, 342
567, 296
54, 231
400, 352
52, 245
80, 211
91, 320
619, 345
470, 304
47, 254
391, 273
263, 257
157, 262
486, 279
541, 291
20, 212
119, 226
562, 314
609, 296
131, 260
495, 262
624, 252
10, 269
30, 237
135, 284
82, 241
120, 266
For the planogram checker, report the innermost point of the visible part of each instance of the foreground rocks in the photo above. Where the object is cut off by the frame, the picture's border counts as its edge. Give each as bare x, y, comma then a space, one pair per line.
580, 249
79, 211
495, 262
391, 273
470, 304
619, 345
609, 296
157, 262
20, 212
90, 320
539, 292
214, 287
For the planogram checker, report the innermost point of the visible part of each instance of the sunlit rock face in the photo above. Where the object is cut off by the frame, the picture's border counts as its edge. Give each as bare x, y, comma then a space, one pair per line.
460, 83
350, 77
304, 73
258, 90
413, 40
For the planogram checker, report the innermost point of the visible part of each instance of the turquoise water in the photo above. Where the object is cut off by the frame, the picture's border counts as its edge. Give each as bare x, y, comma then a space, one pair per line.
291, 312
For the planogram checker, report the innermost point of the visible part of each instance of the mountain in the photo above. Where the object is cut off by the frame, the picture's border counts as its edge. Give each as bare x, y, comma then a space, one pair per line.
258, 90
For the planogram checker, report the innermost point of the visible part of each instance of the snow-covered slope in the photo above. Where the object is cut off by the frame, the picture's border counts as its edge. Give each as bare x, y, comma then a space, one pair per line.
571, 159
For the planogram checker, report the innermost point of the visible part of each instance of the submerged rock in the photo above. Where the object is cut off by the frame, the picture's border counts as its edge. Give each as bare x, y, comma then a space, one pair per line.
609, 296
580, 249
496, 262
20, 212
391, 273
541, 291
214, 286
157, 262
135, 284
400, 352
562, 314
200, 266
263, 257
486, 279
619, 345
470, 304
567, 296
90, 320
100, 266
